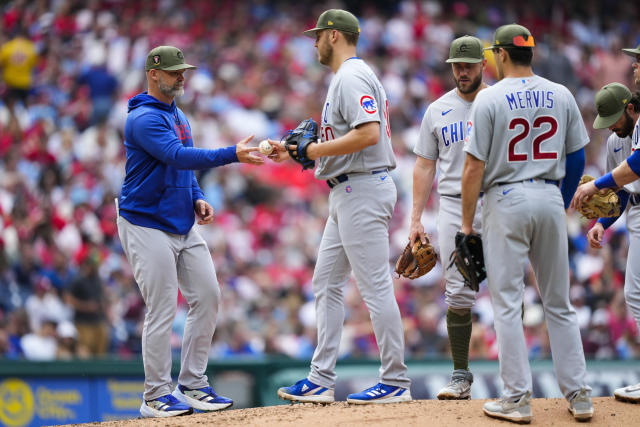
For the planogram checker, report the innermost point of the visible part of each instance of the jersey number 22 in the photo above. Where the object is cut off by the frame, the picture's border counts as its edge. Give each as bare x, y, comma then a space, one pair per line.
538, 154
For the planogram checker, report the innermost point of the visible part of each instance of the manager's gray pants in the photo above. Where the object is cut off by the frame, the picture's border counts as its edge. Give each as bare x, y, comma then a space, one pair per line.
163, 262
356, 237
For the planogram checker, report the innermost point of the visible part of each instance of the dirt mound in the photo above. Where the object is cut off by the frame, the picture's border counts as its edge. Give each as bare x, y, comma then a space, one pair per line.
546, 412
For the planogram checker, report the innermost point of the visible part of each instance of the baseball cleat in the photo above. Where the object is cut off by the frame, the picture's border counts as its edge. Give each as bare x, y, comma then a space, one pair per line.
459, 387
380, 393
202, 399
629, 393
164, 406
580, 405
517, 412
305, 391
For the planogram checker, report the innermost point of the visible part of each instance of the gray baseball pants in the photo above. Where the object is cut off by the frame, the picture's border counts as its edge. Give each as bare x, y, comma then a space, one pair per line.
356, 237
527, 220
632, 275
162, 263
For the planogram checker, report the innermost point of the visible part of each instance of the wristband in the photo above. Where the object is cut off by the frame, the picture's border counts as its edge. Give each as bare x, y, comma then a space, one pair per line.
605, 181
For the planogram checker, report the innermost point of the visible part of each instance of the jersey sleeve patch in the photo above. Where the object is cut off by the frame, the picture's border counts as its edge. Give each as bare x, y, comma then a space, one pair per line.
368, 104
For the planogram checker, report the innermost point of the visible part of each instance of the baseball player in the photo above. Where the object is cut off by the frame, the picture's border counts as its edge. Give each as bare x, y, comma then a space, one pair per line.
155, 224
441, 138
624, 175
354, 158
526, 135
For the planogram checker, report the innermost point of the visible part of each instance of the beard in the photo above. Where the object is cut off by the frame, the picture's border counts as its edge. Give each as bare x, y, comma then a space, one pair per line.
171, 91
325, 53
471, 87
627, 127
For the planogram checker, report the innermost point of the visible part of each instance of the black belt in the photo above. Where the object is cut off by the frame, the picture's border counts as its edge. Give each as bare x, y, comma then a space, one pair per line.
634, 199
547, 181
458, 196
332, 182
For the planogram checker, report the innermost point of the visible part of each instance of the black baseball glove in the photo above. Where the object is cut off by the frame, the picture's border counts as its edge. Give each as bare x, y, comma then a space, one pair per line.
469, 259
297, 141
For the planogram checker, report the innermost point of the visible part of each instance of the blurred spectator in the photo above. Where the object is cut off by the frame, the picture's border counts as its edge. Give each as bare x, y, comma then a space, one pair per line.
44, 304
18, 57
41, 345
86, 296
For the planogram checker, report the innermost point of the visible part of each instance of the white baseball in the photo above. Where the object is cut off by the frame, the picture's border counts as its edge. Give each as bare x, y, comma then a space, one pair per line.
265, 147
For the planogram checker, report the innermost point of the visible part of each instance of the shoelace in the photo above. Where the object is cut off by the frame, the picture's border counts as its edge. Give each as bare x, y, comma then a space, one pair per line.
169, 399
376, 387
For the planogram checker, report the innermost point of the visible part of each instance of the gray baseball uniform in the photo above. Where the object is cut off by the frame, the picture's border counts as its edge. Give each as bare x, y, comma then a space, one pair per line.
356, 234
442, 134
618, 149
522, 128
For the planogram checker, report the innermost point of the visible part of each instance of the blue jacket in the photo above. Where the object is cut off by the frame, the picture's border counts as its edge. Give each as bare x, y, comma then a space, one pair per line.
160, 188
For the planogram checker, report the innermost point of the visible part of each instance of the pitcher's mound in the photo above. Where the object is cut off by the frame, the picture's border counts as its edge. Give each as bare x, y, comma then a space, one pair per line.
546, 412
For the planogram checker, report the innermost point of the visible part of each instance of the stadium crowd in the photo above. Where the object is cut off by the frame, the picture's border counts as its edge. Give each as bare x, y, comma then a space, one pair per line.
69, 67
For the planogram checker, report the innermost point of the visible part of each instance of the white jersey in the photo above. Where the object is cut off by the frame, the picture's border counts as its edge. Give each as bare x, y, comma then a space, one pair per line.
355, 96
523, 128
442, 134
618, 149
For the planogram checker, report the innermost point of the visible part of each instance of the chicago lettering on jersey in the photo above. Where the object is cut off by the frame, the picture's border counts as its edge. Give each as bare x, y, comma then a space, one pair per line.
452, 133
530, 99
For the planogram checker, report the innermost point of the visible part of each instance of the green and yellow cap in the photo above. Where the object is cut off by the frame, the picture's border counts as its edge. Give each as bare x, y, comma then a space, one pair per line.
632, 52
512, 35
611, 101
335, 19
167, 58
466, 49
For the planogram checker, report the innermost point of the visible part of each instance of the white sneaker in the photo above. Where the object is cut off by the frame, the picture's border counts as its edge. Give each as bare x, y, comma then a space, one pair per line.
517, 412
202, 399
459, 387
581, 406
629, 393
164, 406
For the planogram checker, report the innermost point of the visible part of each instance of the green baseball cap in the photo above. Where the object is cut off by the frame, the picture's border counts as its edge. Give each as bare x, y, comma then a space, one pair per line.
167, 58
632, 52
512, 35
335, 19
466, 49
611, 101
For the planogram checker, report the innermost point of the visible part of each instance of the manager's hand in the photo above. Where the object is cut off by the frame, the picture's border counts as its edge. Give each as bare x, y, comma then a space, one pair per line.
247, 154
204, 211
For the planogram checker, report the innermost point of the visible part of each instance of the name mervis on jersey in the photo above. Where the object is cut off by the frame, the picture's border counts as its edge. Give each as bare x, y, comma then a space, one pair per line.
529, 99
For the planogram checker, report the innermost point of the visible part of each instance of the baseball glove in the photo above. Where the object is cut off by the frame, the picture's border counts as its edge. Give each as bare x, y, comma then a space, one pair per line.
603, 204
469, 259
416, 260
297, 141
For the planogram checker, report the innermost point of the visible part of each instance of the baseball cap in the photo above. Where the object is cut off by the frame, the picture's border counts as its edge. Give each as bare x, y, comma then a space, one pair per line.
335, 19
632, 52
611, 101
466, 49
512, 35
167, 58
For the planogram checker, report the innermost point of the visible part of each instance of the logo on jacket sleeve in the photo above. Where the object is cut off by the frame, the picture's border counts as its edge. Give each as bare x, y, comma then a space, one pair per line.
368, 104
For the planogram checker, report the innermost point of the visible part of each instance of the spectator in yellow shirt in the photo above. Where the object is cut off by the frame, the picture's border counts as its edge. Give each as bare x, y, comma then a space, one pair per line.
18, 57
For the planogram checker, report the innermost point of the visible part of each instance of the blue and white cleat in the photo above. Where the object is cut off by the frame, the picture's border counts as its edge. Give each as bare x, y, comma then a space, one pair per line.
306, 392
164, 406
380, 393
202, 399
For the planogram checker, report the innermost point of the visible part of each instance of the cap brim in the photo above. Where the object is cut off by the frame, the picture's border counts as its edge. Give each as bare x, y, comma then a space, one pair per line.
179, 67
466, 60
604, 122
312, 32
632, 52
